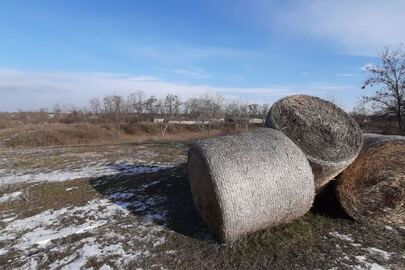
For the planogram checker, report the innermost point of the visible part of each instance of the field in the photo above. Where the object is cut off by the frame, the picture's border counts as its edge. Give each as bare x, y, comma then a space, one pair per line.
128, 206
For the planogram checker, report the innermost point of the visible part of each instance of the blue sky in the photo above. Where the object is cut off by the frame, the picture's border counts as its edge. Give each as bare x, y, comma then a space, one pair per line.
256, 51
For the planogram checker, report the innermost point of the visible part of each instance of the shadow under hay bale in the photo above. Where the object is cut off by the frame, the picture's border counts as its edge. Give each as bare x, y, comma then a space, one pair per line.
327, 204
327, 135
162, 197
249, 182
372, 188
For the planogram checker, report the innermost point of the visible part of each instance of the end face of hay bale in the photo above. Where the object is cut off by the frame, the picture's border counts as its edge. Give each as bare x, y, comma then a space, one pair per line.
204, 190
372, 188
328, 136
248, 182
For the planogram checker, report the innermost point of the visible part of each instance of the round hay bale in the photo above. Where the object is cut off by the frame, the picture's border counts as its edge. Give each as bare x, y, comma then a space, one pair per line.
328, 136
373, 138
372, 188
247, 182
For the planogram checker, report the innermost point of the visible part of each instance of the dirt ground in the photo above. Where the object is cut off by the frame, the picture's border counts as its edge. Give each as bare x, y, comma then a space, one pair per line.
128, 206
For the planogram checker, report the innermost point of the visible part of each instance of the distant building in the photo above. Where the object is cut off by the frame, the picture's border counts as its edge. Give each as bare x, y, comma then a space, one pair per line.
256, 121
158, 120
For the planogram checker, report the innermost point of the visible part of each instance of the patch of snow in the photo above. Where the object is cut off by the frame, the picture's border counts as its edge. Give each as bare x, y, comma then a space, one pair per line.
145, 186
342, 236
386, 255
92, 249
83, 172
47, 226
8, 219
367, 265
389, 228
9, 197
153, 217
355, 244
39, 233
71, 188
159, 241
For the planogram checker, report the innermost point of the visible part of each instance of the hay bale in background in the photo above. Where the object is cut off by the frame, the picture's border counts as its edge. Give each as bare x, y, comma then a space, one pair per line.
372, 138
372, 188
329, 137
248, 182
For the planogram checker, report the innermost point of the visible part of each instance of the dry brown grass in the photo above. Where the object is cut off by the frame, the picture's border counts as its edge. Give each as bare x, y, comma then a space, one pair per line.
54, 134
59, 134
44, 196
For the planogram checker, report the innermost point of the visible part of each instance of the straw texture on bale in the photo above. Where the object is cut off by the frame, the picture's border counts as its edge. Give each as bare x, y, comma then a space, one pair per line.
372, 188
372, 138
247, 182
328, 136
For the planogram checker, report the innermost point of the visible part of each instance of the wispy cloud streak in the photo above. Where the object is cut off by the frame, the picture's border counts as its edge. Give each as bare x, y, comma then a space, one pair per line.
31, 90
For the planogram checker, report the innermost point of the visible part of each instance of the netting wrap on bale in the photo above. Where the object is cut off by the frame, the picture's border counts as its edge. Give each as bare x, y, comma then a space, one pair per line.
372, 188
329, 137
248, 182
372, 138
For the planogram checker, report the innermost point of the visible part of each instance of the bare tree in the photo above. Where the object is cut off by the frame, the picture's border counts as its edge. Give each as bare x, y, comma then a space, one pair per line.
245, 114
389, 76
239, 113
113, 104
205, 110
114, 107
151, 105
169, 107
136, 102
95, 105
135, 105
57, 110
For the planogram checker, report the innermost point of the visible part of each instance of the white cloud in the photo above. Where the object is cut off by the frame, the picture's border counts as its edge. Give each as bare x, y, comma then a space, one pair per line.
191, 73
32, 90
360, 27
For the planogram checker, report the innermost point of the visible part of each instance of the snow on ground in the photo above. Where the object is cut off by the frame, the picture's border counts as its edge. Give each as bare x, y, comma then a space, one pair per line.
9, 197
123, 227
62, 164
341, 236
367, 260
44, 233
83, 172
386, 255
366, 265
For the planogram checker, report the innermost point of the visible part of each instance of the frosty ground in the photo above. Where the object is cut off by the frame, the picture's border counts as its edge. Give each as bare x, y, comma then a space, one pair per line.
129, 206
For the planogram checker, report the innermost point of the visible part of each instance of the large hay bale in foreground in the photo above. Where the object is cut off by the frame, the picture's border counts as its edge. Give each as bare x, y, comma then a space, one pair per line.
373, 138
329, 137
248, 182
372, 188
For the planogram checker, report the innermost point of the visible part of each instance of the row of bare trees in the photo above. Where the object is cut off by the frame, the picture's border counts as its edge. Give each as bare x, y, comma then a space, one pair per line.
204, 111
